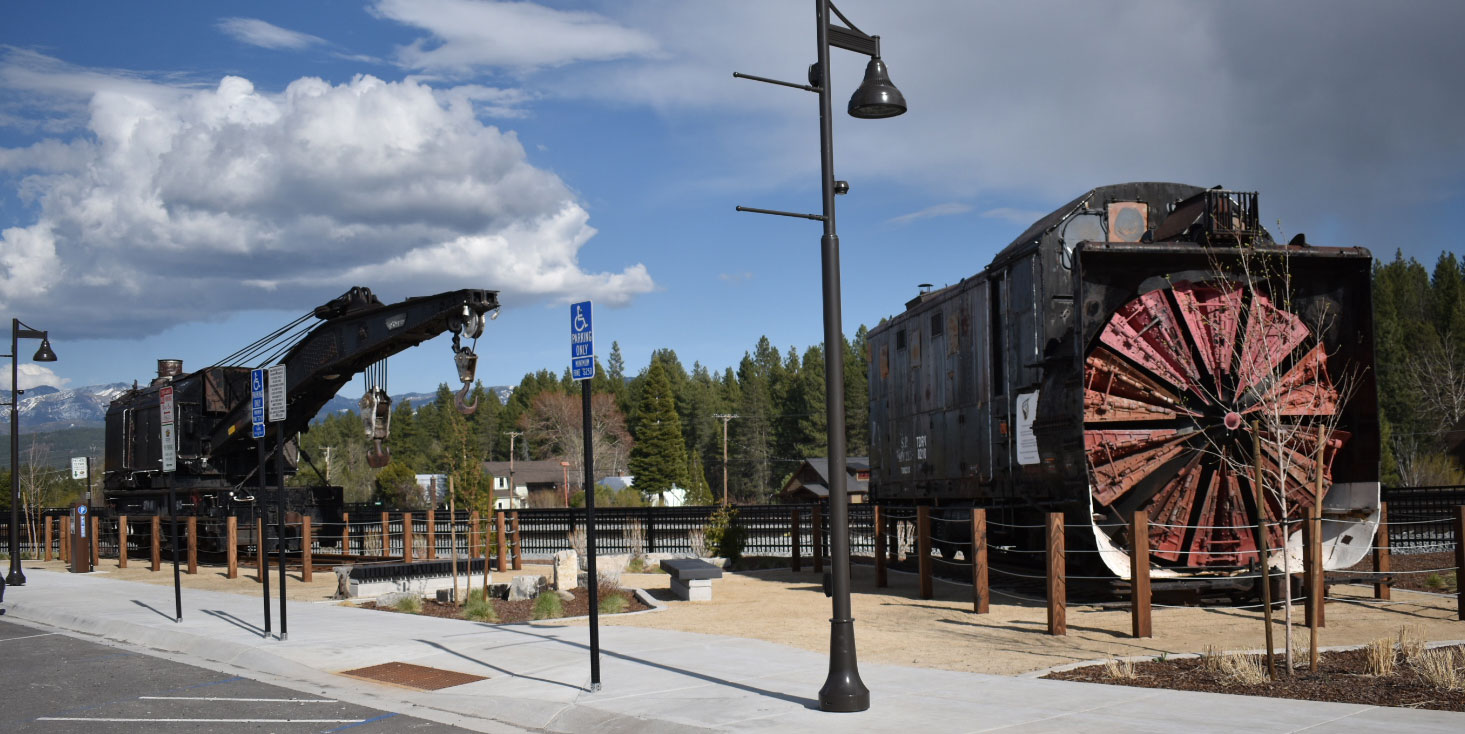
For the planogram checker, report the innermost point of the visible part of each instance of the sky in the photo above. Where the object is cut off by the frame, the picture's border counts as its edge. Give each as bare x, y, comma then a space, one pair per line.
178, 179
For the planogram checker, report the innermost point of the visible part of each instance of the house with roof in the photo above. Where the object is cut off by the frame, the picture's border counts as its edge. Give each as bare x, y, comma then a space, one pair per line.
810, 482
535, 484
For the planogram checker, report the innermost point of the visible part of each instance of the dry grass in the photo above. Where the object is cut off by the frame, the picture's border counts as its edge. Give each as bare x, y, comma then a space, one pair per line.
1119, 669
1440, 669
1233, 666
698, 538
1411, 642
1381, 657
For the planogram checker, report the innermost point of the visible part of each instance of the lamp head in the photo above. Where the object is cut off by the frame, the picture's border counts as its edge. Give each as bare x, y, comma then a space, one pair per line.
877, 97
44, 354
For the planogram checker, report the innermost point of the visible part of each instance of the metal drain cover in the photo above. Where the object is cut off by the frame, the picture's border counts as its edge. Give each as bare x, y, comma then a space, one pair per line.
413, 676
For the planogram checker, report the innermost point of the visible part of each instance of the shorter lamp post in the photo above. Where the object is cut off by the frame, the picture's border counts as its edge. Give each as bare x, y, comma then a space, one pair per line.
19, 331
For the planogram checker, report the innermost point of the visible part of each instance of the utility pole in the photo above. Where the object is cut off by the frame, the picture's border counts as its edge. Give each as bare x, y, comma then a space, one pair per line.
725, 417
512, 435
327, 451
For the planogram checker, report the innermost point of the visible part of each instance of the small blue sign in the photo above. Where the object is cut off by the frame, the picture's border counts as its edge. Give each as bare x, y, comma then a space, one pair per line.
81, 509
582, 342
259, 430
257, 383
257, 401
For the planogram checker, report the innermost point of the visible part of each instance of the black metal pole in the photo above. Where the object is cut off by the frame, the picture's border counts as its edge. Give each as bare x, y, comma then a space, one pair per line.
843, 690
177, 580
280, 521
16, 577
261, 517
593, 581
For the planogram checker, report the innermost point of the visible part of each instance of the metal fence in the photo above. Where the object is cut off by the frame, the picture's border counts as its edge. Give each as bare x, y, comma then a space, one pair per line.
1421, 518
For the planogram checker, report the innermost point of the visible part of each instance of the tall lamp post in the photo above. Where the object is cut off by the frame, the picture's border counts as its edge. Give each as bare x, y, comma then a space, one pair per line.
19, 331
876, 98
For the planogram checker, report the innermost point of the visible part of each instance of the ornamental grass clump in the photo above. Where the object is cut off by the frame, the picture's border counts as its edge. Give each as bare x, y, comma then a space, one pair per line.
1381, 657
1439, 668
478, 608
409, 604
1119, 669
548, 606
1411, 642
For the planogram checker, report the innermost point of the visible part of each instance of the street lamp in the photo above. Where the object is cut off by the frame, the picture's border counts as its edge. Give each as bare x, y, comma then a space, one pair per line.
876, 98
19, 331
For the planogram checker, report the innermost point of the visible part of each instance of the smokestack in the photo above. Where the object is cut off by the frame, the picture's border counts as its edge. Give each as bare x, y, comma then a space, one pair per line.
167, 370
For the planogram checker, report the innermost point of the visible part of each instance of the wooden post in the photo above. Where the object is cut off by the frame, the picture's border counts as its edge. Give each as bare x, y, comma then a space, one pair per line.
122, 542
503, 538
518, 544
431, 534
882, 578
259, 549
406, 537
1317, 605
1057, 577
192, 544
96, 545
923, 549
794, 559
345, 533
231, 546
816, 535
157, 542
46, 521
1460, 561
1381, 587
386, 535
63, 533
306, 555
1139, 574
981, 593
473, 534
1263, 554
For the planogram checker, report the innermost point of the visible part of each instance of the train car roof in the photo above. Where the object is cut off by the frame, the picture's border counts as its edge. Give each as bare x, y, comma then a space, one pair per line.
1153, 192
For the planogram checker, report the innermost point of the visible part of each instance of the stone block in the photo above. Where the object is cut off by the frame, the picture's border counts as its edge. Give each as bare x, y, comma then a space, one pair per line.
525, 587
566, 568
693, 590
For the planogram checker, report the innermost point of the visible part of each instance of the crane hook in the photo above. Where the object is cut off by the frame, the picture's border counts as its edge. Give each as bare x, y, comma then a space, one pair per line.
460, 400
378, 456
467, 363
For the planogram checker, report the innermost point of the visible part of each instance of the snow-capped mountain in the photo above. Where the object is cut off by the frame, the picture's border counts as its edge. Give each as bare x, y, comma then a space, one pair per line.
46, 408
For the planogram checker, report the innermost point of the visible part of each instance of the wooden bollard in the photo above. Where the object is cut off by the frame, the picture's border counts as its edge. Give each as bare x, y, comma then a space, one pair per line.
1460, 561
96, 543
431, 534
407, 537
881, 576
1316, 609
157, 542
1057, 583
503, 538
1139, 574
122, 541
518, 544
981, 592
192, 544
46, 521
816, 534
386, 535
923, 549
306, 555
63, 533
795, 557
231, 546
260, 557
1381, 587
345, 533
473, 534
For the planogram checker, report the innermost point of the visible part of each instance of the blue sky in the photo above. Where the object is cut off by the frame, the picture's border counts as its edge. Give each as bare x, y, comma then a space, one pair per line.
179, 178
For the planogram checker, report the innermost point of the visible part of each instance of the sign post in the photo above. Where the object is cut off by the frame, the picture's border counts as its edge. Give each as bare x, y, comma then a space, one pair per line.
277, 414
582, 370
261, 514
170, 465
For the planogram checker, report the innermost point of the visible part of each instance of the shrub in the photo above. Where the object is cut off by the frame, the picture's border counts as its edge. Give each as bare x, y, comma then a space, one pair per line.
409, 604
614, 603
478, 608
724, 535
548, 606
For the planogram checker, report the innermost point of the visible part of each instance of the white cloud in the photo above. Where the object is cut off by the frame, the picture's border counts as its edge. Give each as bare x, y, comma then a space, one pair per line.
30, 375
948, 209
735, 277
256, 32
467, 34
186, 204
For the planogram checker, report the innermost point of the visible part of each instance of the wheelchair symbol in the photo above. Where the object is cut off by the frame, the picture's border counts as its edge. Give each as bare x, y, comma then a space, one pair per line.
580, 323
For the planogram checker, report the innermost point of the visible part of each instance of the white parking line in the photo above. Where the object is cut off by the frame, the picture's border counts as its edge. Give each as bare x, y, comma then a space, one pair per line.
221, 698
27, 637
204, 721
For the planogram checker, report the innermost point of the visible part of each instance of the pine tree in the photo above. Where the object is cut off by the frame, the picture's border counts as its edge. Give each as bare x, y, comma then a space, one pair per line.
659, 459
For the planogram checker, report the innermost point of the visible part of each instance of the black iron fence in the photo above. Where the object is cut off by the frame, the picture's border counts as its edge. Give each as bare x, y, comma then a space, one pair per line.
1421, 518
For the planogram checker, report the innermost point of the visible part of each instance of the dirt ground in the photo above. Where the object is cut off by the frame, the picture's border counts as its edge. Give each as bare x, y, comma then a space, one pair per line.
893, 626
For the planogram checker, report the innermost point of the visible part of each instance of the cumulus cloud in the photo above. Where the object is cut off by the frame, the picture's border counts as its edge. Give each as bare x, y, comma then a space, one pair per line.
184, 204
467, 34
257, 32
948, 209
30, 375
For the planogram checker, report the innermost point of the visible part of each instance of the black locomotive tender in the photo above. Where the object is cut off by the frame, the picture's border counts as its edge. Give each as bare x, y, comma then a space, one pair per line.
217, 458
1120, 354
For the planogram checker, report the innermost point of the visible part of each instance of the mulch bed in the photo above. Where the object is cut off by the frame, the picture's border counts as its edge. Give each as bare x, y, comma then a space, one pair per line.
1443, 582
510, 612
1342, 677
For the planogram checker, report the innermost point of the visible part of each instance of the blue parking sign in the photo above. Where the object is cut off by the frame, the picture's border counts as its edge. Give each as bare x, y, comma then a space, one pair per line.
582, 342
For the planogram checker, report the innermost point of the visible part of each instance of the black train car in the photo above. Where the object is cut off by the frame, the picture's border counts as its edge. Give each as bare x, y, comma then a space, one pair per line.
1133, 350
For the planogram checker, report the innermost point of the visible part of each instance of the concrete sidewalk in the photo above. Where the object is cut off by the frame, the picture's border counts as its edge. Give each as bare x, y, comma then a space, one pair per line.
653, 680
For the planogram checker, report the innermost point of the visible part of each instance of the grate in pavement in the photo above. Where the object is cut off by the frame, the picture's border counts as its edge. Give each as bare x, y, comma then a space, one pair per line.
413, 676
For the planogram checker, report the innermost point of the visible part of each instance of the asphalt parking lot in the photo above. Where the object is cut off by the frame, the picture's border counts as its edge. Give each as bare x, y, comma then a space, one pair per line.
57, 683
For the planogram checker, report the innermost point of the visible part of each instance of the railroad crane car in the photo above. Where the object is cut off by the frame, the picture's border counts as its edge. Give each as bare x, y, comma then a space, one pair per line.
1145, 346
217, 461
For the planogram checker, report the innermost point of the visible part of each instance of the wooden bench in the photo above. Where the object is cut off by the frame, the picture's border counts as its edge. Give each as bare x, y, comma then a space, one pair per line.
691, 578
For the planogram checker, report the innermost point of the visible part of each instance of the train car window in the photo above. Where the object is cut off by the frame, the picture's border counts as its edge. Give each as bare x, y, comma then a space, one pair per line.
900, 339
1081, 228
936, 324
994, 288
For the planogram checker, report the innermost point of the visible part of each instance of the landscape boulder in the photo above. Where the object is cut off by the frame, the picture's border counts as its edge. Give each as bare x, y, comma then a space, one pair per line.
525, 587
566, 567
